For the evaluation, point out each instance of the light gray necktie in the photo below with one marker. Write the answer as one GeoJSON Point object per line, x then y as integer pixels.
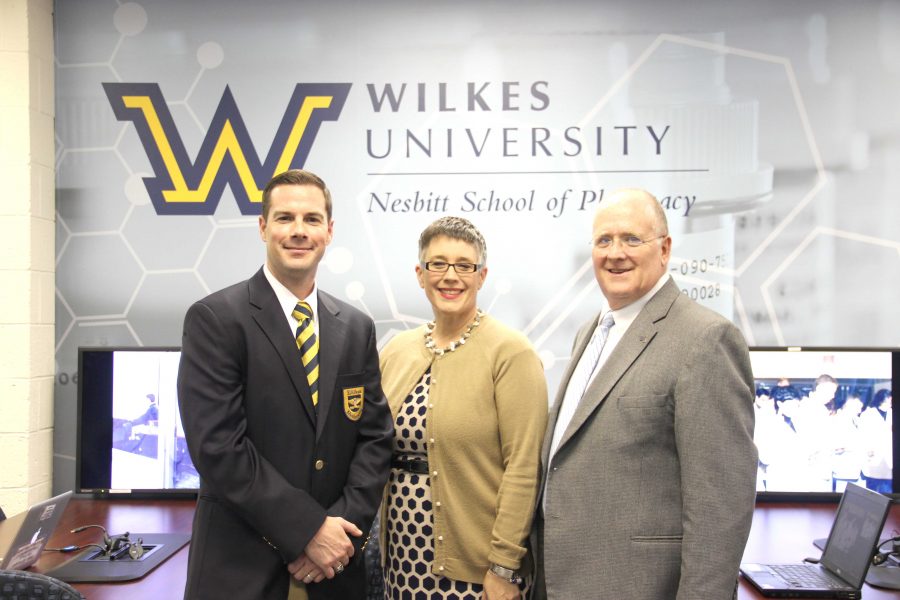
{"type": "Point", "coordinates": [580, 379]}
{"type": "Point", "coordinates": [592, 353]}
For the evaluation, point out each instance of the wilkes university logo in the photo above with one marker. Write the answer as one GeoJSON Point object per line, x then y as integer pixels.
{"type": "Point", "coordinates": [227, 156]}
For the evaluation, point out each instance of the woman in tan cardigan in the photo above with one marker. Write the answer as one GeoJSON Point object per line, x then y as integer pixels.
{"type": "Point", "coordinates": [469, 401]}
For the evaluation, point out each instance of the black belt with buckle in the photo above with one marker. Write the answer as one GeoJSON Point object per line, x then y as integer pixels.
{"type": "Point", "coordinates": [419, 467]}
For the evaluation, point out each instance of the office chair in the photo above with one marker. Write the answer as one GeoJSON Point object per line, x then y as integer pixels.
{"type": "Point", "coordinates": [28, 585]}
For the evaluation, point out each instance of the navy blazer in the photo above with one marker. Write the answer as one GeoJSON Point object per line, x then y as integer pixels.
{"type": "Point", "coordinates": [271, 465]}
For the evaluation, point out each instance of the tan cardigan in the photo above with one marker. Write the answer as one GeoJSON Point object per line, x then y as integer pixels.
{"type": "Point", "coordinates": [485, 424]}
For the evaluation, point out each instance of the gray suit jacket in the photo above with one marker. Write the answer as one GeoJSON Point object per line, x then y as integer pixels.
{"type": "Point", "coordinates": [651, 491]}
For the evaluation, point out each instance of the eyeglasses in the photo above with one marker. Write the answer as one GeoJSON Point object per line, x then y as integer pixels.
{"type": "Point", "coordinates": [605, 242]}
{"type": "Point", "coordinates": [441, 266]}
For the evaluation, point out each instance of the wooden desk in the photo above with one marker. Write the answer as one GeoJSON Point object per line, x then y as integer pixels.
{"type": "Point", "coordinates": [781, 533]}
{"type": "Point", "coordinates": [119, 516]}
{"type": "Point", "coordinates": [784, 533]}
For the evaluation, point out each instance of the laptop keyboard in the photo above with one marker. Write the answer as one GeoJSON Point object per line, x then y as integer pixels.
{"type": "Point", "coordinates": [807, 576]}
{"type": "Point", "coordinates": [23, 585]}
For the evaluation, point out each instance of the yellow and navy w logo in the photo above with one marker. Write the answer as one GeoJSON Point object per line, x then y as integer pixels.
{"type": "Point", "coordinates": [227, 155]}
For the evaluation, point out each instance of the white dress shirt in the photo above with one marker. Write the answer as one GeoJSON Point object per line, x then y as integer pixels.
{"type": "Point", "coordinates": [288, 301]}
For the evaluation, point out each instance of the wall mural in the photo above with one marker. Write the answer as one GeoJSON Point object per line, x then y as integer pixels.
{"type": "Point", "coordinates": [766, 131]}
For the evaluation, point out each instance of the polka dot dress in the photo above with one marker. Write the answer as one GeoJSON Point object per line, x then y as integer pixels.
{"type": "Point", "coordinates": [410, 542]}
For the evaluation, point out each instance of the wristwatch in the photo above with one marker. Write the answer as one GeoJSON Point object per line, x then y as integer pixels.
{"type": "Point", "coordinates": [507, 574]}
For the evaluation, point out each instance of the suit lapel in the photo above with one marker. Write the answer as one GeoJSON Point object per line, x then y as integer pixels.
{"type": "Point", "coordinates": [269, 317]}
{"type": "Point", "coordinates": [639, 335]}
{"type": "Point", "coordinates": [332, 333]}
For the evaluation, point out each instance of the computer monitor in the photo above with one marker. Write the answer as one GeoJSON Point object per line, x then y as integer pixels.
{"type": "Point", "coordinates": [130, 438]}
{"type": "Point", "coordinates": [824, 418]}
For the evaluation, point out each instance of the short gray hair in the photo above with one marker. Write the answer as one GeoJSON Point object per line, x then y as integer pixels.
{"type": "Point", "coordinates": [455, 228]}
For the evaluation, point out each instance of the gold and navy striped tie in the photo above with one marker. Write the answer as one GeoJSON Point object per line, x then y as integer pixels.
{"type": "Point", "coordinates": [309, 347]}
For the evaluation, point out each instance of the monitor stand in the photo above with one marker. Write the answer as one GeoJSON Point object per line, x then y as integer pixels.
{"type": "Point", "coordinates": [91, 565]}
{"type": "Point", "coordinates": [885, 576]}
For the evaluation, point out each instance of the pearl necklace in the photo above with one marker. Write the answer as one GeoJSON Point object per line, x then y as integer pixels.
{"type": "Point", "coordinates": [429, 339]}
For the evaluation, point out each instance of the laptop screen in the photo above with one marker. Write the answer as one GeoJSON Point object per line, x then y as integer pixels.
{"type": "Point", "coordinates": [855, 532]}
{"type": "Point", "coordinates": [28, 532]}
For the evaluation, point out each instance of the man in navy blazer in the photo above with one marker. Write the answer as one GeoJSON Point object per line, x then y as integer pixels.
{"type": "Point", "coordinates": [288, 488]}
{"type": "Point", "coordinates": [649, 463]}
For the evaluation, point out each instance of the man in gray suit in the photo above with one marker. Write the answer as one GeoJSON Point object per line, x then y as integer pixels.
{"type": "Point", "coordinates": [649, 463]}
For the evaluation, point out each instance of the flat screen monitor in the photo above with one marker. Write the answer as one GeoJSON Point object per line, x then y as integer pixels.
{"type": "Point", "coordinates": [825, 418]}
{"type": "Point", "coordinates": [130, 438]}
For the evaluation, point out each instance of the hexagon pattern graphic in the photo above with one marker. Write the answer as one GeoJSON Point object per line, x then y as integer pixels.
{"type": "Point", "coordinates": [125, 275]}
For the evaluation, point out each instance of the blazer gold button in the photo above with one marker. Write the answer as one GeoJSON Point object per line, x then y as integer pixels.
{"type": "Point", "coordinates": [320, 464]}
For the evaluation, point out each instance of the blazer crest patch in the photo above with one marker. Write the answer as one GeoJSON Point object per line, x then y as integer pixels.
{"type": "Point", "coordinates": [353, 402]}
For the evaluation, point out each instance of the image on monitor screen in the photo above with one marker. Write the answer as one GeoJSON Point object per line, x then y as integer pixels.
{"type": "Point", "coordinates": [823, 419]}
{"type": "Point", "coordinates": [149, 450]}
{"type": "Point", "coordinates": [130, 433]}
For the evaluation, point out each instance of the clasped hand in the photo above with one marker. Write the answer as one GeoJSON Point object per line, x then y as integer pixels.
{"type": "Point", "coordinates": [327, 553]}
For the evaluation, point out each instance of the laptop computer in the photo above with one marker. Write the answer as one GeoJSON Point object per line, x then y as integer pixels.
{"type": "Point", "coordinates": [848, 553]}
{"type": "Point", "coordinates": [23, 536]}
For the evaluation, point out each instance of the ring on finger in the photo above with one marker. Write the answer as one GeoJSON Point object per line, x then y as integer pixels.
{"type": "Point", "coordinates": [339, 568]}
{"type": "Point", "coordinates": [308, 577]}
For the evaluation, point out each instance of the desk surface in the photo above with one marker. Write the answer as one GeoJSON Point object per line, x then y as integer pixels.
{"type": "Point", "coordinates": [781, 533]}
{"type": "Point", "coordinates": [119, 516]}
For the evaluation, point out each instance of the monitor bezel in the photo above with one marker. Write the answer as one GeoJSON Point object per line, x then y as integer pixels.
{"type": "Point", "coordinates": [811, 496]}
{"type": "Point", "coordinates": [110, 492]}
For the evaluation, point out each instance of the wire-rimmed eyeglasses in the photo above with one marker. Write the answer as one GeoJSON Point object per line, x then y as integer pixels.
{"type": "Point", "coordinates": [604, 242]}
{"type": "Point", "coordinates": [441, 266]}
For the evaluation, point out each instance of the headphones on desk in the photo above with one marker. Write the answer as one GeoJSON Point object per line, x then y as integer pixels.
{"type": "Point", "coordinates": [880, 556]}
{"type": "Point", "coordinates": [113, 548]}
